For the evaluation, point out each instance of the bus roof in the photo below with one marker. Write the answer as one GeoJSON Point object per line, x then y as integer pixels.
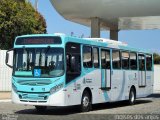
{"type": "Point", "coordinates": [96, 41]}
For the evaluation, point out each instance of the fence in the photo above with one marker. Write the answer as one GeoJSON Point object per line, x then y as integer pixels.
{"type": "Point", "coordinates": [156, 78]}
{"type": "Point", "coordinates": [5, 73]}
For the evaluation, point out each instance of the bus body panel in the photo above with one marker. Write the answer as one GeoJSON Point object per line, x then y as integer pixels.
{"type": "Point", "coordinates": [117, 82]}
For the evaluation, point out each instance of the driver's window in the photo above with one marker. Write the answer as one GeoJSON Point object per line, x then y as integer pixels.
{"type": "Point", "coordinates": [21, 63]}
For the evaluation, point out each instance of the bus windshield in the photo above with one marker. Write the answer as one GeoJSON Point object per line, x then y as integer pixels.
{"type": "Point", "coordinates": [38, 62]}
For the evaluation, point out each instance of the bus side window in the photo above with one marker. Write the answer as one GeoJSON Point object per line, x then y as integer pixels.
{"type": "Point", "coordinates": [87, 57]}
{"type": "Point", "coordinates": [149, 62]}
{"type": "Point", "coordinates": [116, 61]}
{"type": "Point", "coordinates": [125, 60]}
{"type": "Point", "coordinates": [96, 57]}
{"type": "Point", "coordinates": [141, 60]}
{"type": "Point", "coordinates": [73, 61]}
{"type": "Point", "coordinates": [133, 61]}
{"type": "Point", "coordinates": [105, 59]}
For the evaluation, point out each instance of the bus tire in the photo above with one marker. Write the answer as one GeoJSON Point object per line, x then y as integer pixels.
{"type": "Point", "coordinates": [86, 104]}
{"type": "Point", "coordinates": [41, 108]}
{"type": "Point", "coordinates": [132, 96]}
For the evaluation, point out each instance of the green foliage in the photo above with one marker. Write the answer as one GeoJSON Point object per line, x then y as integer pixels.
{"type": "Point", "coordinates": [18, 18]}
{"type": "Point", "coordinates": [156, 58]}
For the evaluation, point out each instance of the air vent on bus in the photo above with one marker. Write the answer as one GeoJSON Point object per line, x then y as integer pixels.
{"type": "Point", "coordinates": [33, 101]}
{"type": "Point", "coordinates": [35, 82]}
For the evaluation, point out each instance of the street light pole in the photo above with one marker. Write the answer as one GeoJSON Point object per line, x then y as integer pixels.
{"type": "Point", "coordinates": [36, 4]}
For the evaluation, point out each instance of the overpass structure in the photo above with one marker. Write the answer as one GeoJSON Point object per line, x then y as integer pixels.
{"type": "Point", "coordinates": [113, 15]}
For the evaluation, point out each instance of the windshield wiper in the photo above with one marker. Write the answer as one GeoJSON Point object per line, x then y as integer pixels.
{"type": "Point", "coordinates": [48, 48]}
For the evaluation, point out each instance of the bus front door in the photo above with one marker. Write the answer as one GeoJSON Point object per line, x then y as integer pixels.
{"type": "Point", "coordinates": [142, 71]}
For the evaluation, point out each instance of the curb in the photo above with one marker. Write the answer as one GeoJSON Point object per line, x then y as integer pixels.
{"type": "Point", "coordinates": [5, 100]}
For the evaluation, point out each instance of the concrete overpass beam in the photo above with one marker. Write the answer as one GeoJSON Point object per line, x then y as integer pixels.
{"type": "Point", "coordinates": [95, 27]}
{"type": "Point", "coordinates": [114, 34]}
{"type": "Point", "coordinates": [113, 29]}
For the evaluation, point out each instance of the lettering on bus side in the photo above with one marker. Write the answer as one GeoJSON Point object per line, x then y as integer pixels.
{"type": "Point", "coordinates": [88, 80]}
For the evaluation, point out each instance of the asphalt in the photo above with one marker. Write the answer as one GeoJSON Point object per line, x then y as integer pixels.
{"type": "Point", "coordinates": [144, 109]}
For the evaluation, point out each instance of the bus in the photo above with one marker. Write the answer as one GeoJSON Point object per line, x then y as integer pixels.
{"type": "Point", "coordinates": [60, 70]}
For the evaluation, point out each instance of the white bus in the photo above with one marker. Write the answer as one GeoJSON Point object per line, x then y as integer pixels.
{"type": "Point", "coordinates": [60, 70]}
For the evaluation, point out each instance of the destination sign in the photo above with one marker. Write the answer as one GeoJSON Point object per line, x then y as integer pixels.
{"type": "Point", "coordinates": [38, 40]}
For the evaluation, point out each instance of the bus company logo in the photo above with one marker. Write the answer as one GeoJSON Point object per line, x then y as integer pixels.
{"type": "Point", "coordinates": [88, 80]}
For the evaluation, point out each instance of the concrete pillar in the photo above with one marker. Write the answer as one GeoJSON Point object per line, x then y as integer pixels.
{"type": "Point", "coordinates": [95, 27]}
{"type": "Point", "coordinates": [114, 35]}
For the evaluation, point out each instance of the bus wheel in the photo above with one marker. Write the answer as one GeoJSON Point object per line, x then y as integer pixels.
{"type": "Point", "coordinates": [132, 97]}
{"type": "Point", "coordinates": [41, 108]}
{"type": "Point", "coordinates": [86, 102]}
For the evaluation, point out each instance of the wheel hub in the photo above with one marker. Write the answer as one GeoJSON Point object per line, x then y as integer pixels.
{"type": "Point", "coordinates": [85, 101]}
{"type": "Point", "coordinates": [132, 96]}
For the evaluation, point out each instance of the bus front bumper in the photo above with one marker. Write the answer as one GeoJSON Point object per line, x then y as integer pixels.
{"type": "Point", "coordinates": [56, 99]}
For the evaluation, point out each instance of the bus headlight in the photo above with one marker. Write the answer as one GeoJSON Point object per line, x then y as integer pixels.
{"type": "Point", "coordinates": [14, 87]}
{"type": "Point", "coordinates": [56, 88]}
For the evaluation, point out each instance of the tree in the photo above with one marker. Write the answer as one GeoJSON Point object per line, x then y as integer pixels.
{"type": "Point", "coordinates": [156, 58]}
{"type": "Point", "coordinates": [18, 17]}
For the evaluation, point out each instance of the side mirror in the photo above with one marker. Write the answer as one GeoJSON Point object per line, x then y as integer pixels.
{"type": "Point", "coordinates": [7, 55]}
{"type": "Point", "coordinates": [9, 58]}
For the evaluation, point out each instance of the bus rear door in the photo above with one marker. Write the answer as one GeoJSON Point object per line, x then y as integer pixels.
{"type": "Point", "coordinates": [105, 69]}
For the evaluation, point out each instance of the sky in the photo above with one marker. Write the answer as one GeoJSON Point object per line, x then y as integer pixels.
{"type": "Point", "coordinates": [145, 39]}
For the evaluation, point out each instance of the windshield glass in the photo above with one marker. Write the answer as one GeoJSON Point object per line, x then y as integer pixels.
{"type": "Point", "coordinates": [39, 62]}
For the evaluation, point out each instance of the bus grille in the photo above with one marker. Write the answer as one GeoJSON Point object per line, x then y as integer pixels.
{"type": "Point", "coordinates": [33, 97]}
{"type": "Point", "coordinates": [35, 82]}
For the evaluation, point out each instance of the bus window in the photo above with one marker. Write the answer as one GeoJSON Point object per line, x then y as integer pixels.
{"type": "Point", "coordinates": [133, 61]}
{"type": "Point", "coordinates": [116, 59]}
{"type": "Point", "coordinates": [96, 57]}
{"type": "Point", "coordinates": [73, 61]}
{"type": "Point", "coordinates": [105, 59]}
{"type": "Point", "coordinates": [141, 59]}
{"type": "Point", "coordinates": [149, 62]}
{"type": "Point", "coordinates": [50, 61]}
{"type": "Point", "coordinates": [87, 56]}
{"type": "Point", "coordinates": [125, 60]}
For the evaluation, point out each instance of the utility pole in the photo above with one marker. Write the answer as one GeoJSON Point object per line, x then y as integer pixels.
{"type": "Point", "coordinates": [36, 5]}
